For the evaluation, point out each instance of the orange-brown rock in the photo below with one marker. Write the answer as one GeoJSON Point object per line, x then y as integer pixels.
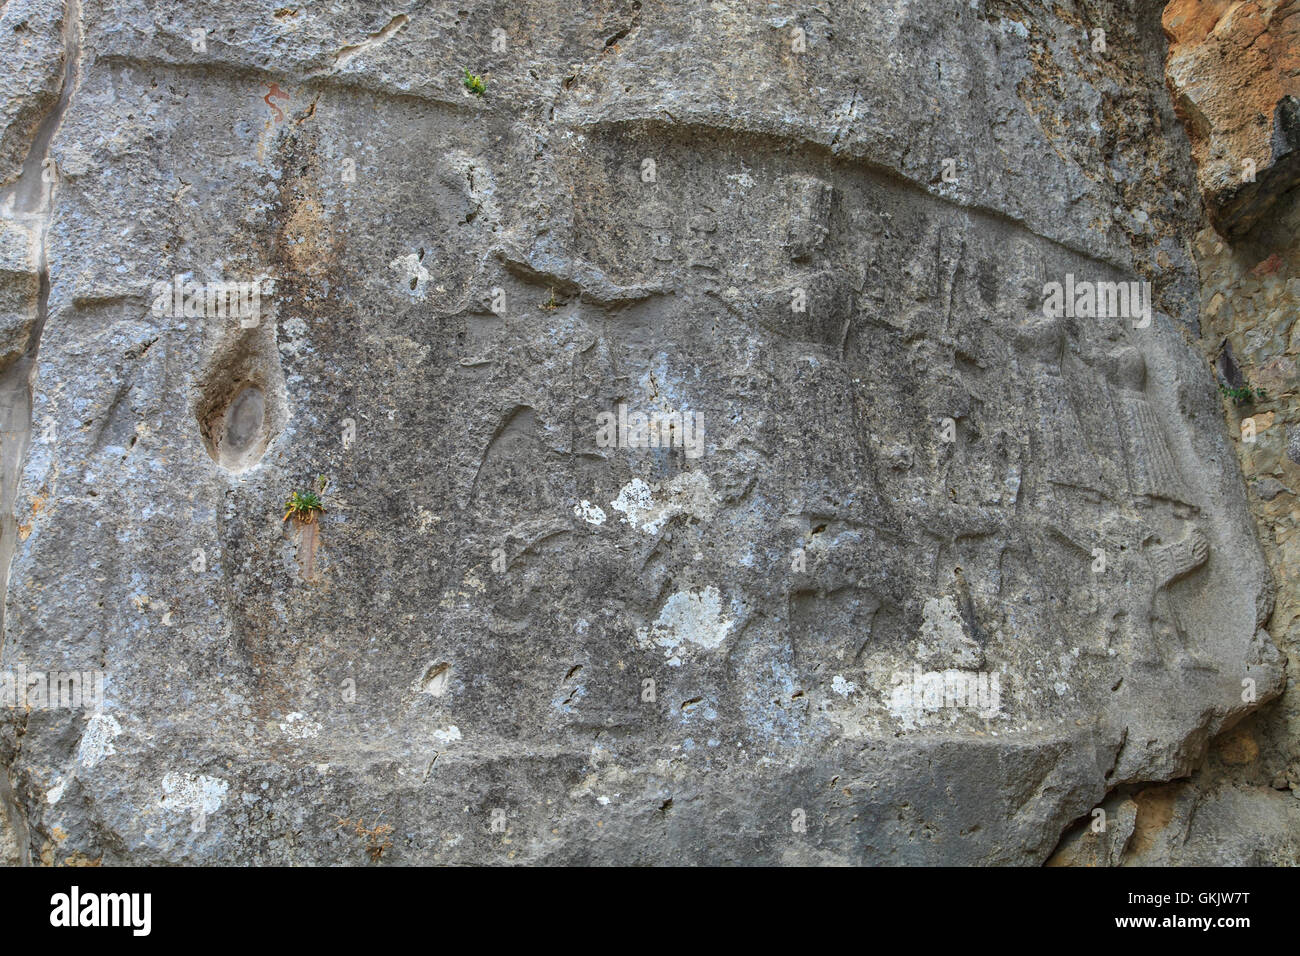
{"type": "Point", "coordinates": [1234, 71]}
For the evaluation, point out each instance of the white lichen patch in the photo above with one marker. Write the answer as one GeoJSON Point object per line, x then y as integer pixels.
{"type": "Point", "coordinates": [294, 341]}
{"type": "Point", "coordinates": [649, 507]}
{"type": "Point", "coordinates": [450, 735]}
{"type": "Point", "coordinates": [592, 514]}
{"type": "Point", "coordinates": [843, 687]}
{"type": "Point", "coordinates": [688, 617]}
{"type": "Point", "coordinates": [742, 180]}
{"type": "Point", "coordinates": [635, 502]}
{"type": "Point", "coordinates": [297, 726]}
{"type": "Point", "coordinates": [97, 741]}
{"type": "Point", "coordinates": [188, 793]}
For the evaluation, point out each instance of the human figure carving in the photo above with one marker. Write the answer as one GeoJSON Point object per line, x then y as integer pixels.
{"type": "Point", "coordinates": [1151, 468]}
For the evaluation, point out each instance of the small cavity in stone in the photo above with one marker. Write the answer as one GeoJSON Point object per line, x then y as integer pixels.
{"type": "Point", "coordinates": [237, 434]}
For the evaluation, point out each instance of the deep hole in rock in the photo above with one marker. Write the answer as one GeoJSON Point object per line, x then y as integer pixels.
{"type": "Point", "coordinates": [241, 406]}
{"type": "Point", "coordinates": [234, 426]}
{"type": "Point", "coordinates": [244, 418]}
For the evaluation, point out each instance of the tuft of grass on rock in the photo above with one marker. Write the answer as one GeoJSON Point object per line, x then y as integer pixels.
{"type": "Point", "coordinates": [474, 83]}
{"type": "Point", "coordinates": [303, 507]}
{"type": "Point", "coordinates": [1244, 395]}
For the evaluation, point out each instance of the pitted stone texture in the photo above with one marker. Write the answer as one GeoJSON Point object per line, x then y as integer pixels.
{"type": "Point", "coordinates": [1197, 822]}
{"type": "Point", "coordinates": [8, 844]}
{"type": "Point", "coordinates": [1251, 292]}
{"type": "Point", "coordinates": [908, 472]}
{"type": "Point", "coordinates": [19, 287]}
{"type": "Point", "coordinates": [1234, 70]}
{"type": "Point", "coordinates": [31, 49]}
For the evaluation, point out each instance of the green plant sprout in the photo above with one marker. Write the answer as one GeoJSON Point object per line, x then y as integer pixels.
{"type": "Point", "coordinates": [551, 304]}
{"type": "Point", "coordinates": [1245, 395]}
{"type": "Point", "coordinates": [474, 83]}
{"type": "Point", "coordinates": [303, 506]}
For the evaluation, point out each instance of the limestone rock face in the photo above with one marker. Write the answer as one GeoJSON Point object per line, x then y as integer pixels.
{"type": "Point", "coordinates": [1234, 71]}
{"type": "Point", "coordinates": [917, 568]}
{"type": "Point", "coordinates": [32, 51]}
{"type": "Point", "coordinates": [1228, 814]}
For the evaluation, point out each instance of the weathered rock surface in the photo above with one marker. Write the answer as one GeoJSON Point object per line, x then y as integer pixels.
{"type": "Point", "coordinates": [943, 573]}
{"type": "Point", "coordinates": [1228, 814]}
{"type": "Point", "coordinates": [31, 49]}
{"type": "Point", "coordinates": [1234, 70]}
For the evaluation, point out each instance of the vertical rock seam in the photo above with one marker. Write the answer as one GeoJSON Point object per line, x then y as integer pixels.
{"type": "Point", "coordinates": [28, 204]}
